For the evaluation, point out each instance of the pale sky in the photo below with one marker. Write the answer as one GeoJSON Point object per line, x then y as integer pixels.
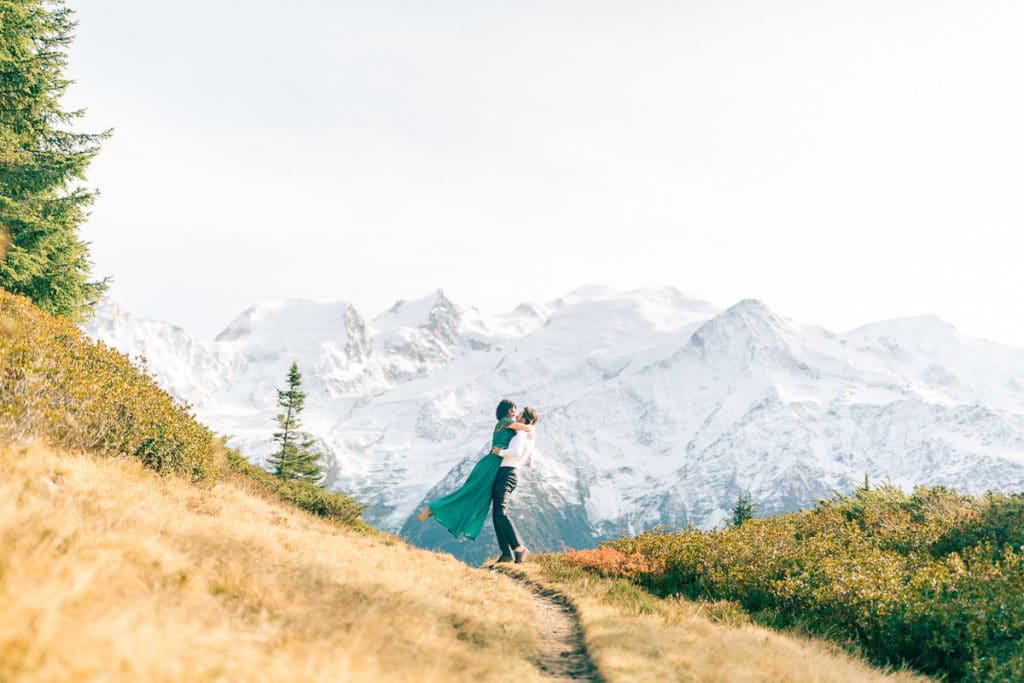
{"type": "Point", "coordinates": [844, 162]}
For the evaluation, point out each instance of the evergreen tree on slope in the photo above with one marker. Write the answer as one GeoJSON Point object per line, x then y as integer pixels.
{"type": "Point", "coordinates": [744, 509]}
{"type": "Point", "coordinates": [295, 457]}
{"type": "Point", "coordinates": [41, 158]}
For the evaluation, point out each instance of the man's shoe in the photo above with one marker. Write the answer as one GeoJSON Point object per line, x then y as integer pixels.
{"type": "Point", "coordinates": [521, 555]}
{"type": "Point", "coordinates": [505, 558]}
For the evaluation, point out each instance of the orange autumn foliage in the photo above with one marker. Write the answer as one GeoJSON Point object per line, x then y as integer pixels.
{"type": "Point", "coordinates": [608, 561]}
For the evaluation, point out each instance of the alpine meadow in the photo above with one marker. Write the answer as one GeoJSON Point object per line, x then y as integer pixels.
{"type": "Point", "coordinates": [614, 483]}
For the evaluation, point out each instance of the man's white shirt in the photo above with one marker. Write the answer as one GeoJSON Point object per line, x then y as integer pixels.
{"type": "Point", "coordinates": [519, 452]}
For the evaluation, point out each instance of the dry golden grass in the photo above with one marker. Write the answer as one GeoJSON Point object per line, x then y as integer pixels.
{"type": "Point", "coordinates": [111, 572]}
{"type": "Point", "coordinates": [633, 636]}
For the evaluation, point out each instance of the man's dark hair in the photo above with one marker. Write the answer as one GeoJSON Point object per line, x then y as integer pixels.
{"type": "Point", "coordinates": [503, 407]}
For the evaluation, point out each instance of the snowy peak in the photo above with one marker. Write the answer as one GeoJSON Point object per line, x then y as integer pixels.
{"type": "Point", "coordinates": [925, 334]}
{"type": "Point", "coordinates": [914, 325]}
{"type": "Point", "coordinates": [444, 318]}
{"type": "Point", "coordinates": [670, 298]}
{"type": "Point", "coordinates": [938, 364]}
{"type": "Point", "coordinates": [751, 314]}
{"type": "Point", "coordinates": [324, 337]}
{"type": "Point", "coordinates": [189, 368]}
{"type": "Point", "coordinates": [413, 336]}
{"type": "Point", "coordinates": [117, 322]}
{"type": "Point", "coordinates": [240, 326]}
{"type": "Point", "coordinates": [294, 320]}
{"type": "Point", "coordinates": [585, 293]}
{"type": "Point", "coordinates": [746, 330]}
{"type": "Point", "coordinates": [610, 321]}
{"type": "Point", "coordinates": [417, 312]}
{"type": "Point", "coordinates": [660, 307]}
{"type": "Point", "coordinates": [143, 337]}
{"type": "Point", "coordinates": [359, 344]}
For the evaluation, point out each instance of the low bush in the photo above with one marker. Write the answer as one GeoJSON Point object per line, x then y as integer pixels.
{"type": "Point", "coordinates": [58, 384]}
{"type": "Point", "coordinates": [610, 562]}
{"type": "Point", "coordinates": [933, 579]}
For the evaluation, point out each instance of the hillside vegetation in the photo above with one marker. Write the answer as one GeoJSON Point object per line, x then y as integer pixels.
{"type": "Point", "coordinates": [934, 578]}
{"type": "Point", "coordinates": [636, 636]}
{"type": "Point", "coordinates": [77, 393]}
{"type": "Point", "coordinates": [134, 546]}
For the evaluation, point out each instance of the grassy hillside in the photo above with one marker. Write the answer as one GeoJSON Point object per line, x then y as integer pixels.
{"type": "Point", "coordinates": [134, 546]}
{"type": "Point", "coordinates": [934, 578]}
{"type": "Point", "coordinates": [110, 571]}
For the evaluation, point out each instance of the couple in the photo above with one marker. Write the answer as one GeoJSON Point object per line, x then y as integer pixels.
{"type": "Point", "coordinates": [492, 479]}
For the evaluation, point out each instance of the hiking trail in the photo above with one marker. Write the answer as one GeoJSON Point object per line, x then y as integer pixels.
{"type": "Point", "coordinates": [563, 653]}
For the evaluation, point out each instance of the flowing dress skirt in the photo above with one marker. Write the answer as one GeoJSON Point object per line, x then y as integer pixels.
{"type": "Point", "coordinates": [464, 511]}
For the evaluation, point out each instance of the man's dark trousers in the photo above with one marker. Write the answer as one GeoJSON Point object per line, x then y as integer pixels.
{"type": "Point", "coordinates": [504, 485]}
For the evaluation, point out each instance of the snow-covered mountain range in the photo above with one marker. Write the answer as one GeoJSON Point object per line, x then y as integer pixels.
{"type": "Point", "coordinates": [656, 408]}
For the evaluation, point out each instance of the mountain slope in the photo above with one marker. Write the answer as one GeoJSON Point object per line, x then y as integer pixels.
{"type": "Point", "coordinates": [112, 572]}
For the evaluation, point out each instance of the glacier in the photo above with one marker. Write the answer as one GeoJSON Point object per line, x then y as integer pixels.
{"type": "Point", "coordinates": [656, 408]}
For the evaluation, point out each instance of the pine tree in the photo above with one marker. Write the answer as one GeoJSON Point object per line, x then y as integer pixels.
{"type": "Point", "coordinates": [295, 457]}
{"type": "Point", "coordinates": [743, 510]}
{"type": "Point", "coordinates": [41, 160]}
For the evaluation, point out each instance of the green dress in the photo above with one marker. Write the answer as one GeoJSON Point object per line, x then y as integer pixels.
{"type": "Point", "coordinates": [464, 511]}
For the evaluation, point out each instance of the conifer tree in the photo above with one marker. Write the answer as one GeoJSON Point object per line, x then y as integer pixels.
{"type": "Point", "coordinates": [295, 457]}
{"type": "Point", "coordinates": [41, 160]}
{"type": "Point", "coordinates": [744, 509]}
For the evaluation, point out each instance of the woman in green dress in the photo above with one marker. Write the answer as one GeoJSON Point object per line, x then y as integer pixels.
{"type": "Point", "coordinates": [464, 511]}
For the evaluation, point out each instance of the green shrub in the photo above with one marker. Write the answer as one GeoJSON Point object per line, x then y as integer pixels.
{"type": "Point", "coordinates": [57, 384]}
{"type": "Point", "coordinates": [933, 579]}
{"type": "Point", "coordinates": [998, 520]}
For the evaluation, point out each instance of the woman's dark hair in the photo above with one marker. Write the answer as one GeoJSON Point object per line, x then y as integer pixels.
{"type": "Point", "coordinates": [504, 407]}
{"type": "Point", "coordinates": [530, 416]}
